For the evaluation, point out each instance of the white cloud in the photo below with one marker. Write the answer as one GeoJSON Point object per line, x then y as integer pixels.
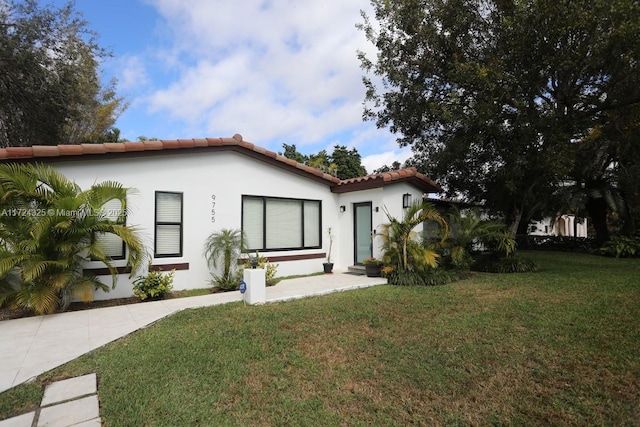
{"type": "Point", "coordinates": [375, 161]}
{"type": "Point", "coordinates": [278, 70]}
{"type": "Point", "coordinates": [132, 73]}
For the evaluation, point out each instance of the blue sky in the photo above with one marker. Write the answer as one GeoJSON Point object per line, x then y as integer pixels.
{"type": "Point", "coordinates": [275, 71]}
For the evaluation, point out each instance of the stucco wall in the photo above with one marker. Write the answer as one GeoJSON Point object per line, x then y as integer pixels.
{"type": "Point", "coordinates": [199, 176]}
{"type": "Point", "coordinates": [386, 199]}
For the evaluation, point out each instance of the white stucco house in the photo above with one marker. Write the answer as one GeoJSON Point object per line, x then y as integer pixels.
{"type": "Point", "coordinates": [564, 225]}
{"type": "Point", "coordinates": [183, 190]}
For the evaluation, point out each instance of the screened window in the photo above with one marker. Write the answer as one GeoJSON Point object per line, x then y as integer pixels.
{"type": "Point", "coordinates": [168, 224]}
{"type": "Point", "coordinates": [281, 224]}
{"type": "Point", "coordinates": [111, 244]}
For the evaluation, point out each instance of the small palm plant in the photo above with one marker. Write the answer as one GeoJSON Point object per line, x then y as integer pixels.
{"type": "Point", "coordinates": [471, 229]}
{"type": "Point", "coordinates": [48, 229]}
{"type": "Point", "coordinates": [402, 246]}
{"type": "Point", "coordinates": [224, 247]}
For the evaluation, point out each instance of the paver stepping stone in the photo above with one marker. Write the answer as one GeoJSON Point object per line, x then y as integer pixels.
{"type": "Point", "coordinates": [70, 413]}
{"type": "Point", "coordinates": [24, 420]}
{"type": "Point", "coordinates": [70, 389]}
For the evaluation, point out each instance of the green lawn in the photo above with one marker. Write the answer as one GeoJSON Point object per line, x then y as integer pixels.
{"type": "Point", "coordinates": [557, 347]}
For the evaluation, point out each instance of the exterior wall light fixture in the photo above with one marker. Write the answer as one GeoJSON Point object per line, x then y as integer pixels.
{"type": "Point", "coordinates": [406, 200]}
{"type": "Point", "coordinates": [343, 208]}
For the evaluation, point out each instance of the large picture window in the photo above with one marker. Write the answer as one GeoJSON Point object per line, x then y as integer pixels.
{"type": "Point", "coordinates": [272, 223]}
{"type": "Point", "coordinates": [112, 245]}
{"type": "Point", "coordinates": [168, 225]}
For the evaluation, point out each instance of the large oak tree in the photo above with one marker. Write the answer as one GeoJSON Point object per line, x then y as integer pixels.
{"type": "Point", "coordinates": [496, 97]}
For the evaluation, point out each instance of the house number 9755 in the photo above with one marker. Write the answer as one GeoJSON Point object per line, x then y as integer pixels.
{"type": "Point", "coordinates": [213, 208]}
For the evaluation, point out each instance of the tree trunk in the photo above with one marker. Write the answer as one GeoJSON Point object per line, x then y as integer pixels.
{"type": "Point", "coordinates": [597, 209]}
{"type": "Point", "coordinates": [516, 217]}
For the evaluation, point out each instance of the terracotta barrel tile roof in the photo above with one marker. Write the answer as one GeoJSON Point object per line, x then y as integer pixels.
{"type": "Point", "coordinates": [229, 141]}
{"type": "Point", "coordinates": [201, 142]}
{"type": "Point", "coordinates": [247, 145]}
{"type": "Point", "coordinates": [114, 147]}
{"type": "Point", "coordinates": [19, 152]}
{"type": "Point", "coordinates": [45, 151]}
{"type": "Point", "coordinates": [70, 150]}
{"type": "Point", "coordinates": [378, 180]}
{"type": "Point", "coordinates": [93, 148]}
{"type": "Point", "coordinates": [213, 142]}
{"type": "Point", "coordinates": [236, 143]}
{"type": "Point", "coordinates": [134, 146]}
{"type": "Point", "coordinates": [153, 145]}
{"type": "Point", "coordinates": [186, 143]}
{"type": "Point", "coordinates": [170, 144]}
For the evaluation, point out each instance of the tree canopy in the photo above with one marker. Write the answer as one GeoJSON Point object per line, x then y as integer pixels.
{"type": "Point", "coordinates": [343, 163]}
{"type": "Point", "coordinates": [499, 98]}
{"type": "Point", "coordinates": [50, 90]}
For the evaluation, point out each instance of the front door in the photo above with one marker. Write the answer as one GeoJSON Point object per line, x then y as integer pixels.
{"type": "Point", "coordinates": [362, 229]}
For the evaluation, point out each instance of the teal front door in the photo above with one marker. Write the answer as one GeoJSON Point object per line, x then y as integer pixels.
{"type": "Point", "coordinates": [362, 232]}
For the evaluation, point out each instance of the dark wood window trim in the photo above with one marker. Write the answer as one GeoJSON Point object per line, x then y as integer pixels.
{"type": "Point", "coordinates": [284, 258]}
{"type": "Point", "coordinates": [103, 271]}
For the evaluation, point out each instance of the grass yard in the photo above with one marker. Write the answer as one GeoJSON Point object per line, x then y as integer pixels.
{"type": "Point", "coordinates": [557, 347]}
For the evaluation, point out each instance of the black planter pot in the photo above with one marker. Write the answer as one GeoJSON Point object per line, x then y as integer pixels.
{"type": "Point", "coordinates": [328, 267]}
{"type": "Point", "coordinates": [373, 270]}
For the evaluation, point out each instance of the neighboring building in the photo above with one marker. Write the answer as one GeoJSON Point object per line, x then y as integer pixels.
{"type": "Point", "coordinates": [564, 225]}
{"type": "Point", "coordinates": [186, 189]}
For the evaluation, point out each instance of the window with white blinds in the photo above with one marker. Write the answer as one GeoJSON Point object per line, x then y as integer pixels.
{"type": "Point", "coordinates": [168, 224]}
{"type": "Point", "coordinates": [281, 224]}
{"type": "Point", "coordinates": [111, 244]}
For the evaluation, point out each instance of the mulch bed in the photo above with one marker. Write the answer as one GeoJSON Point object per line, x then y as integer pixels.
{"type": "Point", "coordinates": [8, 314]}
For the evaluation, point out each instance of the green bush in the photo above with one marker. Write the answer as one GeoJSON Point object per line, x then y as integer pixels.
{"type": "Point", "coordinates": [226, 283]}
{"type": "Point", "coordinates": [556, 243]}
{"type": "Point", "coordinates": [621, 247]}
{"type": "Point", "coordinates": [154, 285]}
{"type": "Point", "coordinates": [509, 264]}
{"type": "Point", "coordinates": [430, 277]}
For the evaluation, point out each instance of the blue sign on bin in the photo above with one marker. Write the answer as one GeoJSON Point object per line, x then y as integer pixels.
{"type": "Point", "coordinates": [243, 286]}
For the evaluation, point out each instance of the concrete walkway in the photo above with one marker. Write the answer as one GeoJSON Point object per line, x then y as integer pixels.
{"type": "Point", "coordinates": [66, 403]}
{"type": "Point", "coordinates": [34, 345]}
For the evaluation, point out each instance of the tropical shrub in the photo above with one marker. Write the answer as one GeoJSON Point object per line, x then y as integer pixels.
{"type": "Point", "coordinates": [409, 260]}
{"type": "Point", "coordinates": [427, 277]}
{"type": "Point", "coordinates": [556, 243]}
{"type": "Point", "coordinates": [48, 230]}
{"type": "Point", "coordinates": [154, 285]}
{"type": "Point", "coordinates": [223, 248]}
{"type": "Point", "coordinates": [508, 264]}
{"type": "Point", "coordinates": [471, 233]}
{"type": "Point", "coordinates": [402, 245]}
{"type": "Point", "coordinates": [621, 247]}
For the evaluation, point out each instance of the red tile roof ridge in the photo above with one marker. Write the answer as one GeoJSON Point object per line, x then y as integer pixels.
{"type": "Point", "coordinates": [63, 150]}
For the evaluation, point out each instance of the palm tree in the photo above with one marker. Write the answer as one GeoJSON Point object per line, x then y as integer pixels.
{"type": "Point", "coordinates": [402, 247]}
{"type": "Point", "coordinates": [48, 230]}
{"type": "Point", "coordinates": [224, 246]}
{"type": "Point", "coordinates": [471, 229]}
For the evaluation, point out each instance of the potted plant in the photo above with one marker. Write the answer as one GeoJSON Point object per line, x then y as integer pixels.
{"type": "Point", "coordinates": [328, 266]}
{"type": "Point", "coordinates": [373, 267]}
